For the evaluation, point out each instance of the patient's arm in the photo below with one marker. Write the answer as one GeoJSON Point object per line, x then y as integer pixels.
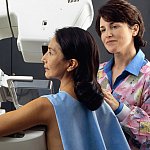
{"type": "Point", "coordinates": [37, 112]}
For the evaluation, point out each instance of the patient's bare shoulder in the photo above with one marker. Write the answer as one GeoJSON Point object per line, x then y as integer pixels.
{"type": "Point", "coordinates": [53, 137]}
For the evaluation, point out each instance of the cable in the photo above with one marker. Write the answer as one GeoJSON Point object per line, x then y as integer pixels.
{"type": "Point", "coordinates": [9, 18]}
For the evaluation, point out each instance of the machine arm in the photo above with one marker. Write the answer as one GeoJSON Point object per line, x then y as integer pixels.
{"type": "Point", "coordinates": [34, 22]}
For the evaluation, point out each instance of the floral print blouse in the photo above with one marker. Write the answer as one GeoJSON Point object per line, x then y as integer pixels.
{"type": "Point", "coordinates": [134, 92]}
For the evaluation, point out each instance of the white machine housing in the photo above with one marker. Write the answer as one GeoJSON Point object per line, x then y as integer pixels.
{"type": "Point", "coordinates": [33, 22]}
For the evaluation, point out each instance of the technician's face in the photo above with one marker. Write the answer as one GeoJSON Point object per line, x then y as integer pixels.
{"type": "Point", "coordinates": [54, 63]}
{"type": "Point", "coordinates": [116, 36]}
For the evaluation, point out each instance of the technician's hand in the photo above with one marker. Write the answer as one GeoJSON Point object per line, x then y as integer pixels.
{"type": "Point", "coordinates": [108, 97]}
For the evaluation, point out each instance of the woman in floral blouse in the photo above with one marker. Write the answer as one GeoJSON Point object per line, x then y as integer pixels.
{"type": "Point", "coordinates": [125, 78]}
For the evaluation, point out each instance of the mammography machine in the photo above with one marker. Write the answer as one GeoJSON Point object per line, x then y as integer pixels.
{"type": "Point", "coordinates": [33, 23]}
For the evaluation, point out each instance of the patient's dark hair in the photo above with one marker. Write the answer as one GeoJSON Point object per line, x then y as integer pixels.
{"type": "Point", "coordinates": [125, 12]}
{"type": "Point", "coordinates": [78, 44]}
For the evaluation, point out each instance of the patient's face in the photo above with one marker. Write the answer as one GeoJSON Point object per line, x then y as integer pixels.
{"type": "Point", "coordinates": [54, 63]}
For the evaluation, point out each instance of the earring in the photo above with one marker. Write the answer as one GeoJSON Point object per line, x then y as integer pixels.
{"type": "Point", "coordinates": [69, 69]}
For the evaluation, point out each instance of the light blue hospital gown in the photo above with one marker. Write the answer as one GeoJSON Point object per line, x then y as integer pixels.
{"type": "Point", "coordinates": [82, 129]}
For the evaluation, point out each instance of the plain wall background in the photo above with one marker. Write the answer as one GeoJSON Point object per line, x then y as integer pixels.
{"type": "Point", "coordinates": [11, 61]}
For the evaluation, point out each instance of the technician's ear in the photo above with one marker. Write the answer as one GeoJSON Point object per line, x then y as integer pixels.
{"type": "Point", "coordinates": [135, 30]}
{"type": "Point", "coordinates": [73, 63]}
